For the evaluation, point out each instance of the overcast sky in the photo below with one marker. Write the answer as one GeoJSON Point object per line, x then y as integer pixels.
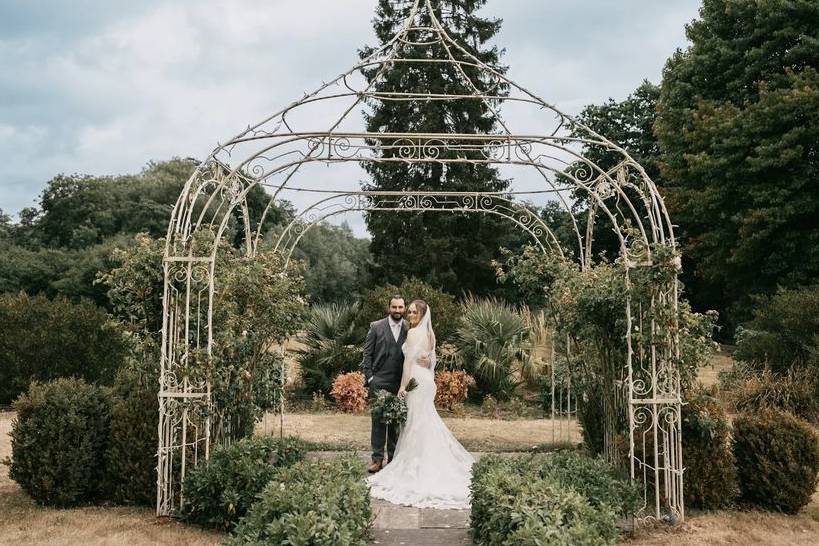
{"type": "Point", "coordinates": [104, 86]}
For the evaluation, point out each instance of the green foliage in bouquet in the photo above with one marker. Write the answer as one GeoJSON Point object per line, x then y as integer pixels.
{"type": "Point", "coordinates": [389, 408]}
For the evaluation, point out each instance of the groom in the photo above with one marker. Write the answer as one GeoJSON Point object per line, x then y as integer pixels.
{"type": "Point", "coordinates": [383, 364]}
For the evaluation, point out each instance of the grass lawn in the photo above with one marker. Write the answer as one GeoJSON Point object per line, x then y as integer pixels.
{"type": "Point", "coordinates": [335, 431]}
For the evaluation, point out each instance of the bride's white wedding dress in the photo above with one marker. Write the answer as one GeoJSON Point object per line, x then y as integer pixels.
{"type": "Point", "coordinates": [431, 469]}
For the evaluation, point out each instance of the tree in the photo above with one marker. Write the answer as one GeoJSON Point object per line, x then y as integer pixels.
{"type": "Point", "coordinates": [59, 247]}
{"type": "Point", "coordinates": [738, 124]}
{"type": "Point", "coordinates": [337, 263]}
{"type": "Point", "coordinates": [81, 210]}
{"type": "Point", "coordinates": [629, 124]}
{"type": "Point", "coordinates": [452, 251]}
{"type": "Point", "coordinates": [56, 271]}
{"type": "Point", "coordinates": [5, 226]}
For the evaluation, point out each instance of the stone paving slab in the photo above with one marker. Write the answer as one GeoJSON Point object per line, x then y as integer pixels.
{"type": "Point", "coordinates": [389, 516]}
{"type": "Point", "coordinates": [397, 525]}
{"type": "Point", "coordinates": [444, 519]}
{"type": "Point", "coordinates": [421, 537]}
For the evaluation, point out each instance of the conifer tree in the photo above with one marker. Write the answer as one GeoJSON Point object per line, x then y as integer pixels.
{"type": "Point", "coordinates": [452, 251]}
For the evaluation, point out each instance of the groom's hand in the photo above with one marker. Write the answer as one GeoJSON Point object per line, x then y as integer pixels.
{"type": "Point", "coordinates": [402, 393]}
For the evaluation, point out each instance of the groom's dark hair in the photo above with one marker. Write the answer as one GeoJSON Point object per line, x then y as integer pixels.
{"type": "Point", "coordinates": [397, 297]}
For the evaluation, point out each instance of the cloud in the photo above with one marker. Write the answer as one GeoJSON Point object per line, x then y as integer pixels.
{"type": "Point", "coordinates": [102, 87]}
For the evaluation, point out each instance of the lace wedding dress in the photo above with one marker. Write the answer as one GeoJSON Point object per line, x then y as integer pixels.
{"type": "Point", "coordinates": [431, 469]}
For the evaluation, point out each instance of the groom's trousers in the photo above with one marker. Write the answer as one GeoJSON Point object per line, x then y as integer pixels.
{"type": "Point", "coordinates": [381, 434]}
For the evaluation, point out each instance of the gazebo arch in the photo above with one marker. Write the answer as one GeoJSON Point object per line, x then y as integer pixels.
{"type": "Point", "coordinates": [279, 151]}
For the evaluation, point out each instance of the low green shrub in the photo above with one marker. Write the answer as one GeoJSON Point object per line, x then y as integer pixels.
{"type": "Point", "coordinates": [777, 458]}
{"type": "Point", "coordinates": [131, 456]}
{"type": "Point", "coordinates": [489, 406]}
{"type": "Point", "coordinates": [558, 498]}
{"type": "Point", "coordinates": [310, 503]}
{"type": "Point", "coordinates": [710, 469]}
{"type": "Point", "coordinates": [44, 339]}
{"type": "Point", "coordinates": [220, 492]}
{"type": "Point", "coordinates": [58, 442]}
{"type": "Point", "coordinates": [595, 479]}
{"type": "Point", "coordinates": [512, 506]}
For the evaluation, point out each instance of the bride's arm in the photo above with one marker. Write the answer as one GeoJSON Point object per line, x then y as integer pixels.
{"type": "Point", "coordinates": [406, 375]}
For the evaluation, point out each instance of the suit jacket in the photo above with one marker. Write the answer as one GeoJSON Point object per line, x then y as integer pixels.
{"type": "Point", "coordinates": [383, 358]}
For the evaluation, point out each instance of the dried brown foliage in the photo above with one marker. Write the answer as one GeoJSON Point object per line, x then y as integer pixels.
{"type": "Point", "coordinates": [349, 392]}
{"type": "Point", "coordinates": [453, 388]}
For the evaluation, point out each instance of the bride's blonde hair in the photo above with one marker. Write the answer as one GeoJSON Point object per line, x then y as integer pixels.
{"type": "Point", "coordinates": [421, 306]}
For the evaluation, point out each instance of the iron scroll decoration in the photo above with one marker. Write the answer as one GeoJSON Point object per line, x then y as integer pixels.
{"type": "Point", "coordinates": [277, 152]}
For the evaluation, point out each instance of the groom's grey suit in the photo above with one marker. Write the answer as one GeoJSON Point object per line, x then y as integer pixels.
{"type": "Point", "coordinates": [383, 364]}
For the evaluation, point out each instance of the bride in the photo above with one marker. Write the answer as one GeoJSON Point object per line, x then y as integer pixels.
{"type": "Point", "coordinates": [430, 469]}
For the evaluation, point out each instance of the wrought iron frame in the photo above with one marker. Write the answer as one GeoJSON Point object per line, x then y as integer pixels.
{"type": "Point", "coordinates": [275, 151]}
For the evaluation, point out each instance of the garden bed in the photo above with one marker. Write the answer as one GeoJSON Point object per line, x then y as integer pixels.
{"type": "Point", "coordinates": [23, 523]}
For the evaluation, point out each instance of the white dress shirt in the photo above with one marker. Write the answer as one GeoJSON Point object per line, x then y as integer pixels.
{"type": "Point", "coordinates": [396, 328]}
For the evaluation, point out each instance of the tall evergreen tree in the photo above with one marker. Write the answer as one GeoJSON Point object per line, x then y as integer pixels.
{"type": "Point", "coordinates": [452, 251]}
{"type": "Point", "coordinates": [738, 125]}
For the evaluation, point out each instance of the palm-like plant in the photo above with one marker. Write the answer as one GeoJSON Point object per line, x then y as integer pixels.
{"type": "Point", "coordinates": [493, 346]}
{"type": "Point", "coordinates": [332, 347]}
{"type": "Point", "coordinates": [541, 341]}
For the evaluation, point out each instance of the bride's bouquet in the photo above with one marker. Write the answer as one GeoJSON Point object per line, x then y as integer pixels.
{"type": "Point", "coordinates": [389, 408]}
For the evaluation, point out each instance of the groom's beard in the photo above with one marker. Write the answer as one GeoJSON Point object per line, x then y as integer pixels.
{"type": "Point", "coordinates": [397, 316]}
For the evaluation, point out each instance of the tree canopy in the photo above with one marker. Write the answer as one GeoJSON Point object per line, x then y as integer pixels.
{"type": "Point", "coordinates": [738, 125]}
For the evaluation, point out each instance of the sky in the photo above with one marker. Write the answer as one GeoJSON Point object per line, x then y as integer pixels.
{"type": "Point", "coordinates": [105, 86]}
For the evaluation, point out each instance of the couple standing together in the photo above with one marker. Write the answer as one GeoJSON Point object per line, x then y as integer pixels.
{"type": "Point", "coordinates": [426, 466]}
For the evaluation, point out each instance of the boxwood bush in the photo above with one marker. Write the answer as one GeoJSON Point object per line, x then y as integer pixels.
{"type": "Point", "coordinates": [710, 469]}
{"type": "Point", "coordinates": [58, 442]}
{"type": "Point", "coordinates": [512, 506]}
{"type": "Point", "coordinates": [218, 493]}
{"type": "Point", "coordinates": [312, 503]}
{"type": "Point", "coordinates": [44, 339]}
{"type": "Point", "coordinates": [777, 459]}
{"type": "Point", "coordinates": [131, 456]}
{"type": "Point", "coordinates": [561, 498]}
{"type": "Point", "coordinates": [595, 479]}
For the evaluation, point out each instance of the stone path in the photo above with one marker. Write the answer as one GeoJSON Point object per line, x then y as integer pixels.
{"type": "Point", "coordinates": [404, 525]}
{"type": "Point", "coordinates": [396, 525]}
